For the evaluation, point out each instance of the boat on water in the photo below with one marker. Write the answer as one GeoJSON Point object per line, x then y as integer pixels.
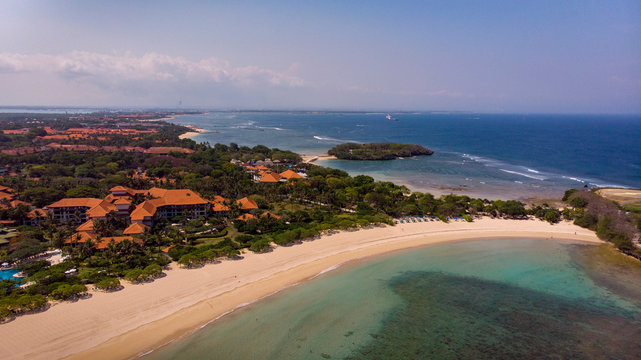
{"type": "Point", "coordinates": [389, 117]}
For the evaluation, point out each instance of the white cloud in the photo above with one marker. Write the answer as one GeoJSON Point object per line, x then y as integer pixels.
{"type": "Point", "coordinates": [115, 71]}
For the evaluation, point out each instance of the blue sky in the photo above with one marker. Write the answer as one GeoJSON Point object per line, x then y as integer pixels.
{"type": "Point", "coordinates": [486, 56]}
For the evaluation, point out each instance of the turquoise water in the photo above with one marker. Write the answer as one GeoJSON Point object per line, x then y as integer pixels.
{"type": "Point", "coordinates": [8, 274]}
{"type": "Point", "coordinates": [498, 155]}
{"type": "Point", "coordinates": [488, 299]}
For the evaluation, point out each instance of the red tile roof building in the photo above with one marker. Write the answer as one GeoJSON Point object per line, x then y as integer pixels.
{"type": "Point", "coordinates": [72, 209]}
{"type": "Point", "coordinates": [247, 204]}
{"type": "Point", "coordinates": [169, 203]}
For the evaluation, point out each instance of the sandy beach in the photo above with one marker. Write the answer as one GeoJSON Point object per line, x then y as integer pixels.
{"type": "Point", "coordinates": [140, 318]}
{"type": "Point", "coordinates": [190, 134]}
{"type": "Point", "coordinates": [313, 158]}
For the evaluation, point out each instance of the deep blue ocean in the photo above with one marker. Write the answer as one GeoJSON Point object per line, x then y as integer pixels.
{"type": "Point", "coordinates": [518, 155]}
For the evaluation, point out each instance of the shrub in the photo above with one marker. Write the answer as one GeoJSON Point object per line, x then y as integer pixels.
{"type": "Point", "coordinates": [108, 284]}
{"type": "Point", "coordinates": [578, 202]}
{"type": "Point", "coordinates": [5, 313]}
{"type": "Point", "coordinates": [190, 260]}
{"type": "Point", "coordinates": [152, 271]}
{"type": "Point", "coordinates": [259, 246]}
{"type": "Point", "coordinates": [244, 238]}
{"type": "Point", "coordinates": [552, 216]}
{"type": "Point", "coordinates": [30, 268]}
{"type": "Point", "coordinates": [89, 275]}
{"type": "Point", "coordinates": [568, 193]}
{"type": "Point", "coordinates": [31, 302]}
{"type": "Point", "coordinates": [135, 276]}
{"type": "Point", "coordinates": [66, 291]}
{"type": "Point", "coordinates": [587, 221]}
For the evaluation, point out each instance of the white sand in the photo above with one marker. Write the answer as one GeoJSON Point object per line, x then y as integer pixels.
{"type": "Point", "coordinates": [142, 317]}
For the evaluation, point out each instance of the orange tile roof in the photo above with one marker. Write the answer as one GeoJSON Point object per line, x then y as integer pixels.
{"type": "Point", "coordinates": [101, 210]}
{"type": "Point", "coordinates": [5, 196]}
{"type": "Point", "coordinates": [122, 201]}
{"type": "Point", "coordinates": [37, 213]}
{"type": "Point", "coordinates": [289, 174]}
{"type": "Point", "coordinates": [270, 178]}
{"type": "Point", "coordinates": [247, 204]}
{"type": "Point", "coordinates": [219, 207]}
{"type": "Point", "coordinates": [15, 203]}
{"type": "Point", "coordinates": [143, 210]}
{"type": "Point", "coordinates": [153, 192]}
{"type": "Point", "coordinates": [167, 150]}
{"type": "Point", "coordinates": [261, 167]}
{"type": "Point", "coordinates": [16, 132]}
{"type": "Point", "coordinates": [246, 217]}
{"type": "Point", "coordinates": [182, 197]}
{"type": "Point", "coordinates": [86, 226]}
{"type": "Point", "coordinates": [121, 188]}
{"type": "Point", "coordinates": [269, 214]}
{"type": "Point", "coordinates": [81, 237]}
{"type": "Point", "coordinates": [6, 189]}
{"type": "Point", "coordinates": [135, 229]}
{"type": "Point", "coordinates": [104, 242]}
{"type": "Point", "coordinates": [164, 197]}
{"type": "Point", "coordinates": [220, 199]}
{"type": "Point", "coordinates": [76, 202]}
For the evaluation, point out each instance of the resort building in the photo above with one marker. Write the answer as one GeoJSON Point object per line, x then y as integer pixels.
{"type": "Point", "coordinates": [136, 229]}
{"type": "Point", "coordinates": [269, 177]}
{"type": "Point", "coordinates": [247, 204]}
{"type": "Point", "coordinates": [268, 215]}
{"type": "Point", "coordinates": [246, 217]}
{"type": "Point", "coordinates": [35, 216]}
{"type": "Point", "coordinates": [169, 203]}
{"type": "Point", "coordinates": [289, 174]}
{"type": "Point", "coordinates": [218, 205]}
{"type": "Point", "coordinates": [161, 203]}
{"type": "Point", "coordinates": [73, 209]}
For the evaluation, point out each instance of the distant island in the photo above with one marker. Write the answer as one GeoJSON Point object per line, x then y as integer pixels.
{"type": "Point", "coordinates": [377, 151]}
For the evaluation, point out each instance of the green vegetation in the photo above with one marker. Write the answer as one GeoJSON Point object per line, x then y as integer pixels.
{"type": "Point", "coordinates": [607, 218]}
{"type": "Point", "coordinates": [108, 284]}
{"type": "Point", "coordinates": [377, 151]}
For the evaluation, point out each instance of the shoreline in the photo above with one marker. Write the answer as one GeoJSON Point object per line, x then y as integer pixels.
{"type": "Point", "coordinates": [314, 158]}
{"type": "Point", "coordinates": [190, 134]}
{"type": "Point", "coordinates": [141, 318]}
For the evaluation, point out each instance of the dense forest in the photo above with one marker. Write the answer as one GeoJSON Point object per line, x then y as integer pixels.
{"type": "Point", "coordinates": [377, 151]}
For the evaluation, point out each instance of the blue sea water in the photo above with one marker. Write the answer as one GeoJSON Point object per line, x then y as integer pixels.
{"type": "Point", "coordinates": [478, 154]}
{"type": "Point", "coordinates": [484, 299]}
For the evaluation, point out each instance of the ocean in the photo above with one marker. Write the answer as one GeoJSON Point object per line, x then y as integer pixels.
{"type": "Point", "coordinates": [486, 155]}
{"type": "Point", "coordinates": [483, 299]}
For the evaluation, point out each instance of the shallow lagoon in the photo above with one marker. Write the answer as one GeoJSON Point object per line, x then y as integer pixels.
{"type": "Point", "coordinates": [473, 299]}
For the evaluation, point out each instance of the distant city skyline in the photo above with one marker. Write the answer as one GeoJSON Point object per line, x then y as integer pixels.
{"type": "Point", "coordinates": [478, 56]}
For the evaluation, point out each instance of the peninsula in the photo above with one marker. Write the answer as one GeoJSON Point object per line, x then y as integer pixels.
{"type": "Point", "coordinates": [377, 151]}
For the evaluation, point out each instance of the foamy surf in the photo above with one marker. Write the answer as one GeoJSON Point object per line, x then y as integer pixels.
{"type": "Point", "coordinates": [522, 174]}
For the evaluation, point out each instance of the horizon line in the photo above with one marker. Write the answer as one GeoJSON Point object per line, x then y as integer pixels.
{"type": "Point", "coordinates": [303, 110]}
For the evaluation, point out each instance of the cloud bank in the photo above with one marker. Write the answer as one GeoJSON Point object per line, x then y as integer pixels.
{"type": "Point", "coordinates": [148, 73]}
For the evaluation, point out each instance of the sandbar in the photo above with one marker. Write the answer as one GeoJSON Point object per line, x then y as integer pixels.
{"type": "Point", "coordinates": [140, 318]}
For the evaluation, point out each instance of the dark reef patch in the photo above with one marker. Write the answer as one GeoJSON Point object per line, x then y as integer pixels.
{"type": "Point", "coordinates": [451, 317]}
